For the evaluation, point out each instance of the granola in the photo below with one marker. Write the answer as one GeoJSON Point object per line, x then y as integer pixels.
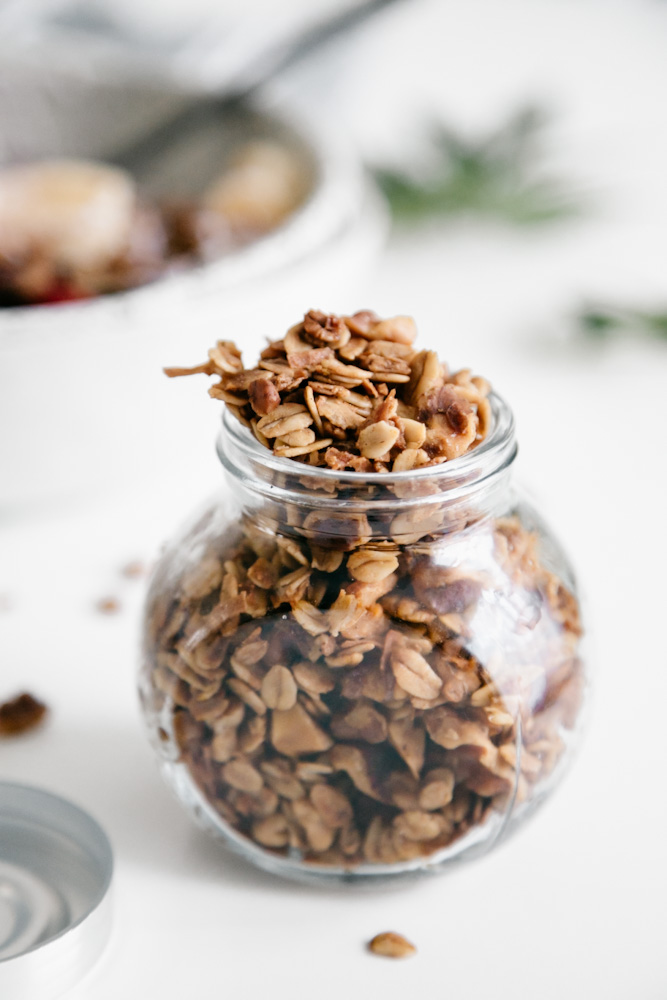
{"type": "Point", "coordinates": [352, 392]}
{"type": "Point", "coordinates": [21, 714]}
{"type": "Point", "coordinates": [362, 673]}
{"type": "Point", "coordinates": [361, 726]}
{"type": "Point", "coordinates": [391, 945]}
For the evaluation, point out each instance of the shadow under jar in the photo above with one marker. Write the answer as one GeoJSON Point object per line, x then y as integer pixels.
{"type": "Point", "coordinates": [356, 676]}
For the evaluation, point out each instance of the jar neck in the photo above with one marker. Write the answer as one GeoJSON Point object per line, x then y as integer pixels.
{"type": "Point", "coordinates": [441, 497]}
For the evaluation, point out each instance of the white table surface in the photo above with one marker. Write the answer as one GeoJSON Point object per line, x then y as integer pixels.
{"type": "Point", "coordinates": [574, 905]}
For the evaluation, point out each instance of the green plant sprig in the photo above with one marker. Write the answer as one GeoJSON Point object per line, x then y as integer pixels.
{"type": "Point", "coordinates": [497, 176]}
{"type": "Point", "coordinates": [602, 322]}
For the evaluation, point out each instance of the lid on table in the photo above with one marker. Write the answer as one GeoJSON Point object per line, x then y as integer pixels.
{"type": "Point", "coordinates": [56, 866]}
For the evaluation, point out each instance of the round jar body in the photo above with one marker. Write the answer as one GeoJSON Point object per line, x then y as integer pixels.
{"type": "Point", "coordinates": [358, 677]}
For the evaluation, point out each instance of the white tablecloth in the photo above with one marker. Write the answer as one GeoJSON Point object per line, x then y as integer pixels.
{"type": "Point", "coordinates": [574, 905]}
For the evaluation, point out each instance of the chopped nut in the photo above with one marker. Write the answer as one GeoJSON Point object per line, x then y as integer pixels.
{"type": "Point", "coordinates": [362, 722]}
{"type": "Point", "coordinates": [319, 328]}
{"type": "Point", "coordinates": [293, 732]}
{"type": "Point", "coordinates": [391, 945]}
{"type": "Point", "coordinates": [264, 397]}
{"type": "Point", "coordinates": [333, 807]}
{"type": "Point", "coordinates": [357, 764]}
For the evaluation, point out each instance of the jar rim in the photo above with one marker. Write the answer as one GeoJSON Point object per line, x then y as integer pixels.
{"type": "Point", "coordinates": [495, 452]}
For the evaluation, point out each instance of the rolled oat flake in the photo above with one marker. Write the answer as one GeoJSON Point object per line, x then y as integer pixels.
{"type": "Point", "coordinates": [56, 866]}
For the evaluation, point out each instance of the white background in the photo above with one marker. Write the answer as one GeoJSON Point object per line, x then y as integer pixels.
{"type": "Point", "coordinates": [574, 905]}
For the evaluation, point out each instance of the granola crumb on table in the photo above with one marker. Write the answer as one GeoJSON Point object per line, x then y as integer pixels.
{"type": "Point", "coordinates": [391, 945]}
{"type": "Point", "coordinates": [322, 674]}
{"type": "Point", "coordinates": [21, 714]}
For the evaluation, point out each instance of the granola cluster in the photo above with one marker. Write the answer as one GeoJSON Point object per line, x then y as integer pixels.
{"type": "Point", "coordinates": [352, 392]}
{"type": "Point", "coordinates": [363, 705]}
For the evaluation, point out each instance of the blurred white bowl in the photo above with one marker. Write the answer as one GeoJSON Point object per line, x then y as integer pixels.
{"type": "Point", "coordinates": [84, 405]}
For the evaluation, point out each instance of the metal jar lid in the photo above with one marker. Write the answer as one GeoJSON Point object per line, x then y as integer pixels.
{"type": "Point", "coordinates": [56, 866]}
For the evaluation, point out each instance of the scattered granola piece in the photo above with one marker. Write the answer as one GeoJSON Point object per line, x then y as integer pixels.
{"type": "Point", "coordinates": [391, 945]}
{"type": "Point", "coordinates": [134, 570]}
{"type": "Point", "coordinates": [108, 605]}
{"type": "Point", "coordinates": [21, 714]}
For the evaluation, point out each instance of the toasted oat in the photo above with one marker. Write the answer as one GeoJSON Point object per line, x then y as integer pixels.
{"type": "Point", "coordinates": [272, 831]}
{"type": "Point", "coordinates": [242, 775]}
{"type": "Point", "coordinates": [416, 825]}
{"type": "Point", "coordinates": [371, 565]}
{"type": "Point", "coordinates": [414, 673]}
{"type": "Point", "coordinates": [284, 419]}
{"type": "Point", "coordinates": [391, 945]}
{"type": "Point", "coordinates": [279, 688]}
{"type": "Point", "coordinates": [377, 440]}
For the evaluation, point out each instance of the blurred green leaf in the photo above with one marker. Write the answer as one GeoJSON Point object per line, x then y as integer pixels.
{"type": "Point", "coordinates": [497, 175]}
{"type": "Point", "coordinates": [601, 322]}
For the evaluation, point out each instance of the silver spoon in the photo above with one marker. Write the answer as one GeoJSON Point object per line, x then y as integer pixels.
{"type": "Point", "coordinates": [245, 83]}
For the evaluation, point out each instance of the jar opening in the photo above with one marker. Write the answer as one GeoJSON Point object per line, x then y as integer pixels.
{"type": "Point", "coordinates": [246, 459]}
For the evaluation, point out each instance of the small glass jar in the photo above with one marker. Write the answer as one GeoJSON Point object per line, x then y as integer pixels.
{"type": "Point", "coordinates": [359, 676]}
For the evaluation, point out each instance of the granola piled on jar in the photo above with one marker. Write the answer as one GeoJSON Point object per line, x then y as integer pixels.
{"type": "Point", "coordinates": [363, 674]}
{"type": "Point", "coordinates": [352, 393]}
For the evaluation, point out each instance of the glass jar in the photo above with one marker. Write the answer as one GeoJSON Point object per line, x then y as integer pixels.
{"type": "Point", "coordinates": [360, 676]}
